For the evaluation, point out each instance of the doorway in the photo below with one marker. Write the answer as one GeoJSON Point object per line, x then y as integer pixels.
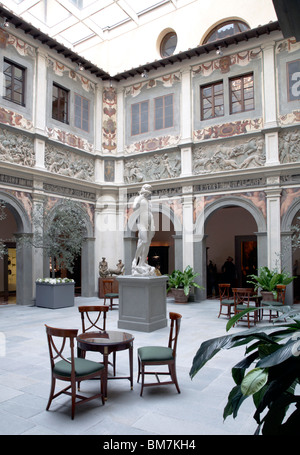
{"type": "Point", "coordinates": [245, 258]}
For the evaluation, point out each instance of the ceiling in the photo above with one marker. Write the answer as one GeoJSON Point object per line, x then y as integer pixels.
{"type": "Point", "coordinates": [73, 22]}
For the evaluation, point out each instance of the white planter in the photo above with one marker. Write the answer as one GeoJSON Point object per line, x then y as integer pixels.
{"type": "Point", "coordinates": [54, 296]}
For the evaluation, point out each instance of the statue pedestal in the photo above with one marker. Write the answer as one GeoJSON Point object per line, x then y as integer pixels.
{"type": "Point", "coordinates": [142, 302]}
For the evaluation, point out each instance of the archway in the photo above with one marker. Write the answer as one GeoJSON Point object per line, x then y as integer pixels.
{"type": "Point", "coordinates": [241, 206]}
{"type": "Point", "coordinates": [17, 224]}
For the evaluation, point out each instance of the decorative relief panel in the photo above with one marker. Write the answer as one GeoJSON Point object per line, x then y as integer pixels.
{"type": "Point", "coordinates": [109, 128]}
{"type": "Point", "coordinates": [64, 162]}
{"type": "Point", "coordinates": [228, 156]}
{"type": "Point", "coordinates": [16, 148]}
{"type": "Point", "coordinates": [154, 167]}
{"type": "Point", "coordinates": [289, 146]}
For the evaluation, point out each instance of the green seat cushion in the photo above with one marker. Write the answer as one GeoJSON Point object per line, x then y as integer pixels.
{"type": "Point", "coordinates": [244, 307]}
{"type": "Point", "coordinates": [111, 294]}
{"type": "Point", "coordinates": [271, 303]}
{"type": "Point", "coordinates": [227, 302]}
{"type": "Point", "coordinates": [83, 367]}
{"type": "Point", "coordinates": [155, 353]}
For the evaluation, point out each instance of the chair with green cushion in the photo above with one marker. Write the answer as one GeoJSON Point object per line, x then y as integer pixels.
{"type": "Point", "coordinates": [160, 355]}
{"type": "Point", "coordinates": [244, 298]}
{"type": "Point", "coordinates": [108, 291]}
{"type": "Point", "coordinates": [91, 314]}
{"type": "Point", "coordinates": [279, 302]}
{"type": "Point", "coordinates": [66, 367]}
{"type": "Point", "coordinates": [226, 300]}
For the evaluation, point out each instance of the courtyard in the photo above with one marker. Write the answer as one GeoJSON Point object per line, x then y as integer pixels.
{"type": "Point", "coordinates": [197, 410]}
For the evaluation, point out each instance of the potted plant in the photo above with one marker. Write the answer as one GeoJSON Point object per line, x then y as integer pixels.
{"type": "Point", "coordinates": [180, 283]}
{"type": "Point", "coordinates": [60, 234]}
{"type": "Point", "coordinates": [272, 381]}
{"type": "Point", "coordinates": [267, 280]}
{"type": "Point", "coordinates": [54, 292]}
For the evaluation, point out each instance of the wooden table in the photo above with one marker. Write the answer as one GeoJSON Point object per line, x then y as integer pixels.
{"type": "Point", "coordinates": [106, 343]}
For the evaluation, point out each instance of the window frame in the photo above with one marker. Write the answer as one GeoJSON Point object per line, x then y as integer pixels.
{"type": "Point", "coordinates": [81, 112]}
{"type": "Point", "coordinates": [139, 124]}
{"type": "Point", "coordinates": [241, 77]}
{"type": "Point", "coordinates": [65, 120]}
{"type": "Point", "coordinates": [163, 97]}
{"type": "Point", "coordinates": [212, 85]}
{"type": "Point", "coordinates": [15, 65]}
{"type": "Point", "coordinates": [163, 45]}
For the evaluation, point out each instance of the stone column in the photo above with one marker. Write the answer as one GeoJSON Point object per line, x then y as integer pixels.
{"type": "Point", "coordinates": [188, 228]}
{"type": "Point", "coordinates": [88, 266]}
{"type": "Point", "coordinates": [25, 282]}
{"type": "Point", "coordinates": [273, 227]}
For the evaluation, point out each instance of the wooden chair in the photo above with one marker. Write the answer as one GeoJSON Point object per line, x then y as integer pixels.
{"type": "Point", "coordinates": [92, 315]}
{"type": "Point", "coordinates": [244, 298]}
{"type": "Point", "coordinates": [108, 291]}
{"type": "Point", "coordinates": [225, 300]}
{"type": "Point", "coordinates": [67, 367]}
{"type": "Point", "coordinates": [279, 302]}
{"type": "Point", "coordinates": [160, 355]}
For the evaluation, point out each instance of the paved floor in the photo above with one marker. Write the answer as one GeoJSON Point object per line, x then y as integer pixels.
{"type": "Point", "coordinates": [197, 410]}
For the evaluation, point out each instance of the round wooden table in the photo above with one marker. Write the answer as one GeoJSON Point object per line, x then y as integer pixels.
{"type": "Point", "coordinates": [106, 343]}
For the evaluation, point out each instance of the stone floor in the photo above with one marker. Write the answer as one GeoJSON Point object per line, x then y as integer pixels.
{"type": "Point", "coordinates": [197, 410]}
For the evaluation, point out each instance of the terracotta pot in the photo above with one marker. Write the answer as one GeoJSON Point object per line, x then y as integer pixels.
{"type": "Point", "coordinates": [179, 295]}
{"type": "Point", "coordinates": [267, 296]}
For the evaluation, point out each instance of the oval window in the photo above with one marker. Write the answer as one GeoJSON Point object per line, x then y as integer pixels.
{"type": "Point", "coordinates": [226, 29]}
{"type": "Point", "coordinates": [168, 44]}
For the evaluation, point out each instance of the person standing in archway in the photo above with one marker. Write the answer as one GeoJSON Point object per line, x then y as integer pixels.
{"type": "Point", "coordinates": [229, 271]}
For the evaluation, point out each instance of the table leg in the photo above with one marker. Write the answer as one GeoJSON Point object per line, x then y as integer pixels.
{"type": "Point", "coordinates": [131, 364]}
{"type": "Point", "coordinates": [105, 362]}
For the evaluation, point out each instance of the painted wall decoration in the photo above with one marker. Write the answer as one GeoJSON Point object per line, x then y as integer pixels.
{"type": "Point", "coordinates": [16, 148]}
{"type": "Point", "coordinates": [109, 170]}
{"type": "Point", "coordinates": [229, 155]}
{"type": "Point", "coordinates": [60, 70]}
{"type": "Point", "coordinates": [109, 128]}
{"type": "Point", "coordinates": [69, 139]}
{"type": "Point", "coordinates": [150, 145]}
{"type": "Point", "coordinates": [228, 129]}
{"type": "Point", "coordinates": [166, 81]}
{"type": "Point", "coordinates": [15, 119]}
{"type": "Point", "coordinates": [289, 146]}
{"type": "Point", "coordinates": [224, 63]}
{"type": "Point", "coordinates": [287, 198]}
{"type": "Point", "coordinates": [154, 167]}
{"type": "Point", "coordinates": [64, 162]}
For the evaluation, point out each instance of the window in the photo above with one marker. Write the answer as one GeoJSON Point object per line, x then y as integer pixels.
{"type": "Point", "coordinates": [139, 118]}
{"type": "Point", "coordinates": [241, 94]}
{"type": "Point", "coordinates": [163, 112]}
{"type": "Point", "coordinates": [168, 44]}
{"type": "Point", "coordinates": [212, 101]}
{"type": "Point", "coordinates": [226, 29]}
{"type": "Point", "coordinates": [60, 104]}
{"type": "Point", "coordinates": [14, 82]}
{"type": "Point", "coordinates": [81, 112]}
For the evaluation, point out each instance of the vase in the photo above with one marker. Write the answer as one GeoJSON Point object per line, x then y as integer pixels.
{"type": "Point", "coordinates": [179, 295]}
{"type": "Point", "coordinates": [55, 296]}
{"type": "Point", "coordinates": [267, 296]}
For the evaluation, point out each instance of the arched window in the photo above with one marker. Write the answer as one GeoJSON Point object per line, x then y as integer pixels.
{"type": "Point", "coordinates": [226, 29]}
{"type": "Point", "coordinates": [168, 44]}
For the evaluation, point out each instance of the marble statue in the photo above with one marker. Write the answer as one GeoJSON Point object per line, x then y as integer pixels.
{"type": "Point", "coordinates": [146, 231]}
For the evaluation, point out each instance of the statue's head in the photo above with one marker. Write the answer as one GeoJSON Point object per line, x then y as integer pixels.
{"type": "Point", "coordinates": [146, 189]}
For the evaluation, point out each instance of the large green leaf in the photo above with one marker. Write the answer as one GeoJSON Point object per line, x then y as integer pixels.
{"type": "Point", "coordinates": [235, 399]}
{"type": "Point", "coordinates": [280, 355]}
{"type": "Point", "coordinates": [254, 381]}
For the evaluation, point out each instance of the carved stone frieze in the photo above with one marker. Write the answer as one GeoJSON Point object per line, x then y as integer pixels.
{"type": "Point", "coordinates": [228, 156]}
{"type": "Point", "coordinates": [154, 167]}
{"type": "Point", "coordinates": [16, 148]}
{"type": "Point", "coordinates": [63, 162]}
{"type": "Point", "coordinates": [289, 146]}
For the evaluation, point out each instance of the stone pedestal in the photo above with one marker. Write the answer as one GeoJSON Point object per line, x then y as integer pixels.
{"type": "Point", "coordinates": [142, 303]}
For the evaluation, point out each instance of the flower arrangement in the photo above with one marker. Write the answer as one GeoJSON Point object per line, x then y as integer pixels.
{"type": "Point", "coordinates": [54, 280]}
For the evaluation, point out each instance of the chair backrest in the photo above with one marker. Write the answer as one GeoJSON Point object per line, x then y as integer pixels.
{"type": "Point", "coordinates": [174, 331]}
{"type": "Point", "coordinates": [94, 318]}
{"type": "Point", "coordinates": [224, 290]}
{"type": "Point", "coordinates": [57, 346]}
{"type": "Point", "coordinates": [280, 289]}
{"type": "Point", "coordinates": [242, 295]}
{"type": "Point", "coordinates": [107, 285]}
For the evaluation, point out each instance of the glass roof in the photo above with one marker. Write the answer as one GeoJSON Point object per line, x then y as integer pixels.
{"type": "Point", "coordinates": [72, 22]}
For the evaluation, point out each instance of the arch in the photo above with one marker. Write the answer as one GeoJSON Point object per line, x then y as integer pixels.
{"type": "Point", "coordinates": [289, 215]}
{"type": "Point", "coordinates": [18, 210]}
{"type": "Point", "coordinates": [236, 21]}
{"type": "Point", "coordinates": [225, 201]}
{"type": "Point", "coordinates": [89, 231]}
